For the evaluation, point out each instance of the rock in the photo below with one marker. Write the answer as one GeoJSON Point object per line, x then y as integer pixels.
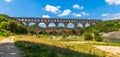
{"type": "Point", "coordinates": [115, 34]}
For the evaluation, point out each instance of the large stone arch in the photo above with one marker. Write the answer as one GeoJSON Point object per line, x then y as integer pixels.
{"type": "Point", "coordinates": [79, 25]}
{"type": "Point", "coordinates": [52, 25]}
{"type": "Point", "coordinates": [70, 25]}
{"type": "Point", "coordinates": [87, 25]}
{"type": "Point", "coordinates": [32, 24]}
{"type": "Point", "coordinates": [61, 25]}
{"type": "Point", "coordinates": [42, 25]}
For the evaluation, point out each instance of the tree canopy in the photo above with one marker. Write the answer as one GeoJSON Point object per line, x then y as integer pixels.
{"type": "Point", "coordinates": [9, 26]}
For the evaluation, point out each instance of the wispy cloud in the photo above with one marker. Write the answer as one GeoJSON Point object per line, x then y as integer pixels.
{"type": "Point", "coordinates": [105, 14]}
{"type": "Point", "coordinates": [108, 16]}
{"type": "Point", "coordinates": [65, 12]}
{"type": "Point", "coordinates": [113, 2]}
{"type": "Point", "coordinates": [8, 0]}
{"type": "Point", "coordinates": [76, 15]}
{"type": "Point", "coordinates": [80, 14]}
{"type": "Point", "coordinates": [45, 16]}
{"type": "Point", "coordinates": [76, 6]}
{"type": "Point", "coordinates": [53, 9]}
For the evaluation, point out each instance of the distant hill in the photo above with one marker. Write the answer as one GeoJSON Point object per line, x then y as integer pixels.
{"type": "Point", "coordinates": [97, 30]}
{"type": "Point", "coordinates": [105, 26]}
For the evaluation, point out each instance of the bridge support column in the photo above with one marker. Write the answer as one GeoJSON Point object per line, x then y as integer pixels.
{"type": "Point", "coordinates": [56, 23]}
{"type": "Point", "coordinates": [83, 25]}
{"type": "Point", "coordinates": [48, 32]}
{"type": "Point", "coordinates": [37, 24]}
{"type": "Point", "coordinates": [27, 24]}
{"type": "Point", "coordinates": [75, 25]}
{"type": "Point", "coordinates": [90, 23]}
{"type": "Point", "coordinates": [47, 25]}
{"type": "Point", "coordinates": [65, 25]}
{"type": "Point", "coordinates": [37, 31]}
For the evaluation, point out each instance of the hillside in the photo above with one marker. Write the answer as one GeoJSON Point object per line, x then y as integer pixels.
{"type": "Point", "coordinates": [115, 34]}
{"type": "Point", "coordinates": [96, 31]}
{"type": "Point", "coordinates": [105, 26]}
{"type": "Point", "coordinates": [9, 27]}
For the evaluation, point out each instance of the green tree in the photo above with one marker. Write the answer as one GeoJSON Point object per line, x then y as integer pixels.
{"type": "Point", "coordinates": [87, 36]}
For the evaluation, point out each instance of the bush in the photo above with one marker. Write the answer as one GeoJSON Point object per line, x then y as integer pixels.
{"type": "Point", "coordinates": [97, 36]}
{"type": "Point", "coordinates": [43, 36]}
{"type": "Point", "coordinates": [4, 32]}
{"type": "Point", "coordinates": [87, 36]}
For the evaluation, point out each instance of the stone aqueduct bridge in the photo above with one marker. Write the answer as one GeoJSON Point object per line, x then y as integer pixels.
{"type": "Point", "coordinates": [56, 21]}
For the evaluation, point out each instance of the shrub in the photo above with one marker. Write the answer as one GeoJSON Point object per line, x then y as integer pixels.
{"type": "Point", "coordinates": [87, 36]}
{"type": "Point", "coordinates": [43, 36]}
{"type": "Point", "coordinates": [97, 36]}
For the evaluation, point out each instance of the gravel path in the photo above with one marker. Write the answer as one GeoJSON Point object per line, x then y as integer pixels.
{"type": "Point", "coordinates": [7, 48]}
{"type": "Point", "coordinates": [111, 49]}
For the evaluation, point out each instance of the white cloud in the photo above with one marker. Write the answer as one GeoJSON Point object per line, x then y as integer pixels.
{"type": "Point", "coordinates": [116, 16]}
{"type": "Point", "coordinates": [45, 16]}
{"type": "Point", "coordinates": [104, 14]}
{"type": "Point", "coordinates": [8, 0]}
{"type": "Point", "coordinates": [80, 14]}
{"type": "Point", "coordinates": [77, 15]}
{"type": "Point", "coordinates": [111, 16]}
{"type": "Point", "coordinates": [65, 12]}
{"type": "Point", "coordinates": [53, 9]}
{"type": "Point", "coordinates": [84, 14]}
{"type": "Point", "coordinates": [111, 2]}
{"type": "Point", "coordinates": [76, 6]}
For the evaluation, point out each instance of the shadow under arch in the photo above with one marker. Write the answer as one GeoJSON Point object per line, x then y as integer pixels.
{"type": "Point", "coordinates": [33, 32]}
{"type": "Point", "coordinates": [42, 32]}
{"type": "Point", "coordinates": [53, 33]}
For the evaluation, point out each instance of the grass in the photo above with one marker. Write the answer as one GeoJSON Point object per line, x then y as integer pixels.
{"type": "Point", "coordinates": [2, 37]}
{"type": "Point", "coordinates": [35, 47]}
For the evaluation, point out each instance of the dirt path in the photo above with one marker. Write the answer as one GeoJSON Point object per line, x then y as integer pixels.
{"type": "Point", "coordinates": [7, 48]}
{"type": "Point", "coordinates": [111, 49]}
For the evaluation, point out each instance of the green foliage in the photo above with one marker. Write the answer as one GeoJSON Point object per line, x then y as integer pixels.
{"type": "Point", "coordinates": [97, 36]}
{"type": "Point", "coordinates": [105, 26]}
{"type": "Point", "coordinates": [87, 36]}
{"type": "Point", "coordinates": [34, 47]}
{"type": "Point", "coordinates": [9, 26]}
{"type": "Point", "coordinates": [4, 32]}
{"type": "Point", "coordinates": [2, 18]}
{"type": "Point", "coordinates": [16, 27]}
{"type": "Point", "coordinates": [44, 36]}
{"type": "Point", "coordinates": [43, 50]}
{"type": "Point", "coordinates": [102, 27]}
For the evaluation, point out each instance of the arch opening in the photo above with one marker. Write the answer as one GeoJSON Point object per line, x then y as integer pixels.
{"type": "Point", "coordinates": [32, 24]}
{"type": "Point", "coordinates": [61, 25]}
{"type": "Point", "coordinates": [52, 26]}
{"type": "Point", "coordinates": [79, 25]}
{"type": "Point", "coordinates": [24, 23]}
{"type": "Point", "coordinates": [42, 25]}
{"type": "Point", "coordinates": [70, 25]}
{"type": "Point", "coordinates": [87, 25]}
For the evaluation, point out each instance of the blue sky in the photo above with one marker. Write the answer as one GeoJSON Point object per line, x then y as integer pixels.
{"type": "Point", "coordinates": [92, 9]}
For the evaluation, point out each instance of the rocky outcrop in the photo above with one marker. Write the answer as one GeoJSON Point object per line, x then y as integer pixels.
{"type": "Point", "coordinates": [115, 34]}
